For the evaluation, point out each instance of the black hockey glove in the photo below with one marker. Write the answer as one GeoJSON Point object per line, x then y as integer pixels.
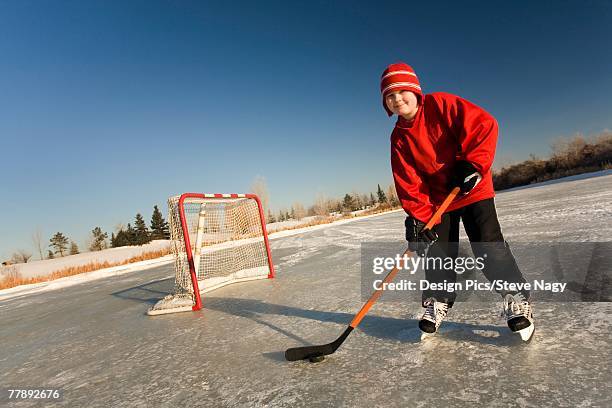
{"type": "Point", "coordinates": [465, 176]}
{"type": "Point", "coordinates": [419, 239]}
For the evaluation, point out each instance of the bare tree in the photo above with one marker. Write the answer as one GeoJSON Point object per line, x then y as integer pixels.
{"type": "Point", "coordinates": [298, 211]}
{"type": "Point", "coordinates": [21, 256]}
{"type": "Point", "coordinates": [605, 137]}
{"type": "Point", "coordinates": [358, 204]}
{"type": "Point", "coordinates": [364, 200]}
{"type": "Point", "coordinates": [503, 160]}
{"type": "Point", "coordinates": [321, 206]}
{"type": "Point", "coordinates": [563, 146]}
{"type": "Point", "coordinates": [392, 196]}
{"type": "Point", "coordinates": [10, 274]}
{"type": "Point", "coordinates": [37, 240]}
{"type": "Point", "coordinates": [260, 188]}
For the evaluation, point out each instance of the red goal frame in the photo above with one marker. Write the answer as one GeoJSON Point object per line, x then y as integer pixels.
{"type": "Point", "coordinates": [192, 271]}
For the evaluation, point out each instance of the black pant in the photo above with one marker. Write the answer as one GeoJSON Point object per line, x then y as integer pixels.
{"type": "Point", "coordinates": [483, 230]}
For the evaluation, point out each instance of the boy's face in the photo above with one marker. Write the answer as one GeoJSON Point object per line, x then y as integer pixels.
{"type": "Point", "coordinates": [403, 103]}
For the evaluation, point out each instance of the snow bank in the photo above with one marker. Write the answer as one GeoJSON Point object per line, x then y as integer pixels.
{"type": "Point", "coordinates": [112, 255]}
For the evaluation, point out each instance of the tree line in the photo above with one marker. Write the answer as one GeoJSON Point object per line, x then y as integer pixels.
{"type": "Point", "coordinates": [139, 234]}
{"type": "Point", "coordinates": [324, 206]}
{"type": "Point", "coordinates": [571, 156]}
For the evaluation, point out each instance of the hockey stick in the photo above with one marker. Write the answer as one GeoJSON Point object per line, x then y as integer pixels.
{"type": "Point", "coordinates": [315, 352]}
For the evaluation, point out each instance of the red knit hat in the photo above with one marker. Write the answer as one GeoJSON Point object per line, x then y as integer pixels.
{"type": "Point", "coordinates": [399, 77]}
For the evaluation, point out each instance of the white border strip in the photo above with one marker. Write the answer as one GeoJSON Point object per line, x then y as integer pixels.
{"type": "Point", "coordinates": [398, 72]}
{"type": "Point", "coordinates": [398, 84]}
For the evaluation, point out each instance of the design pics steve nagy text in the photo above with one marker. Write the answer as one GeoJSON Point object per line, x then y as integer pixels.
{"type": "Point", "coordinates": [469, 284]}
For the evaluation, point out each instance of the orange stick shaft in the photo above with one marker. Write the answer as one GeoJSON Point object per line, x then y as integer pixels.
{"type": "Point", "coordinates": [391, 275]}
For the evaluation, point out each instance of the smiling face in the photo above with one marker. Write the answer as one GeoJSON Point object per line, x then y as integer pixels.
{"type": "Point", "coordinates": [403, 103]}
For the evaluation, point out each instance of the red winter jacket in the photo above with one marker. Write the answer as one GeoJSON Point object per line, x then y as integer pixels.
{"type": "Point", "coordinates": [446, 128]}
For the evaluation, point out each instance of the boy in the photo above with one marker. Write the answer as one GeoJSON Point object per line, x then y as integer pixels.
{"type": "Point", "coordinates": [441, 141]}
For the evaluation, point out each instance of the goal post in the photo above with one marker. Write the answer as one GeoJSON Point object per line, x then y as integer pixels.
{"type": "Point", "coordinates": [216, 240]}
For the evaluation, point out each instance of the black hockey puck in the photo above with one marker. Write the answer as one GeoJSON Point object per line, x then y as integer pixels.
{"type": "Point", "coordinates": [316, 359]}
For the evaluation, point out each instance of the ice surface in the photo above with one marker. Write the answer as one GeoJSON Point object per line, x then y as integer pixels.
{"type": "Point", "coordinates": [260, 272]}
{"type": "Point", "coordinates": [95, 341]}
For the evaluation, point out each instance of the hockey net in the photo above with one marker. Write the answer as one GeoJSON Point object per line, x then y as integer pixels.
{"type": "Point", "coordinates": [216, 239]}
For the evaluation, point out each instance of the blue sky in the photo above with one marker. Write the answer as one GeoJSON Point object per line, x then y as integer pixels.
{"type": "Point", "coordinates": [109, 107]}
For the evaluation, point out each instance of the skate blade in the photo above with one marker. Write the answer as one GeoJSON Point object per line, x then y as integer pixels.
{"type": "Point", "coordinates": [425, 336]}
{"type": "Point", "coordinates": [440, 331]}
{"type": "Point", "coordinates": [527, 333]}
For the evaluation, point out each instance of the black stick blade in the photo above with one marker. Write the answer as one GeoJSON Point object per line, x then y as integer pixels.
{"type": "Point", "coordinates": [306, 352]}
{"type": "Point", "coordinates": [303, 353]}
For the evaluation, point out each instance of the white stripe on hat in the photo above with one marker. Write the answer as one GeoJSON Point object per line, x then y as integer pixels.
{"type": "Point", "coordinates": [398, 72]}
{"type": "Point", "coordinates": [401, 84]}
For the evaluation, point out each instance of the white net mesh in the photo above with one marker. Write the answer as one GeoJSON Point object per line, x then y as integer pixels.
{"type": "Point", "coordinates": [226, 238]}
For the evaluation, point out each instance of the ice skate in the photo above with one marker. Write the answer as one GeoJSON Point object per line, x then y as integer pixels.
{"type": "Point", "coordinates": [519, 315]}
{"type": "Point", "coordinates": [435, 312]}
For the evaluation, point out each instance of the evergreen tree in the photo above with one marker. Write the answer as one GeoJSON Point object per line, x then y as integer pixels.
{"type": "Point", "coordinates": [142, 232]}
{"type": "Point", "coordinates": [121, 239]}
{"type": "Point", "coordinates": [59, 243]}
{"type": "Point", "coordinates": [98, 240]}
{"type": "Point", "coordinates": [74, 249]}
{"type": "Point", "coordinates": [382, 198]}
{"type": "Point", "coordinates": [270, 219]}
{"type": "Point", "coordinates": [159, 226]}
{"type": "Point", "coordinates": [348, 203]}
{"type": "Point", "coordinates": [338, 206]}
{"type": "Point", "coordinates": [130, 235]}
{"type": "Point", "coordinates": [166, 230]}
{"type": "Point", "coordinates": [50, 255]}
{"type": "Point", "coordinates": [372, 200]}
